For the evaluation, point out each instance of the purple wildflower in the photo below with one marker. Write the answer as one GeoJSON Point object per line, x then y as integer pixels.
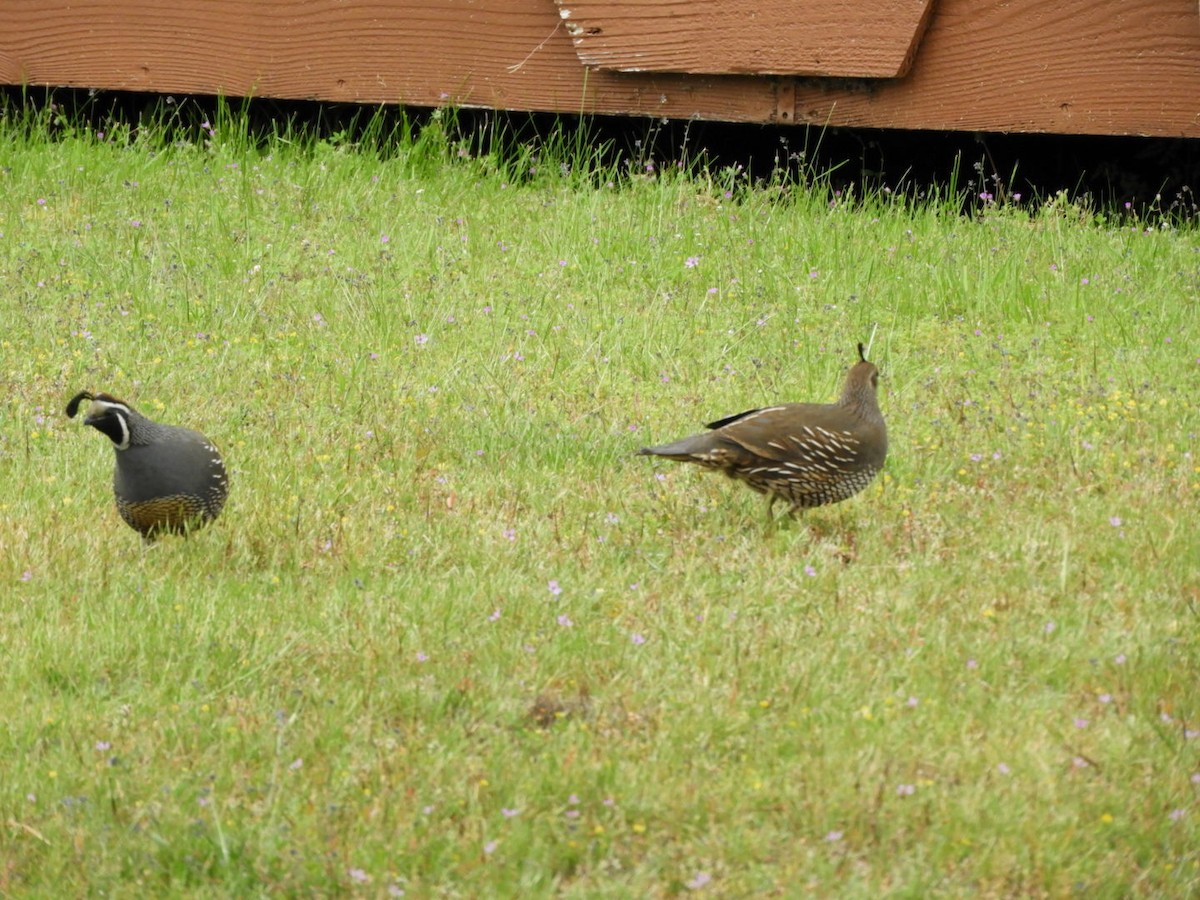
{"type": "Point", "coordinates": [701, 879]}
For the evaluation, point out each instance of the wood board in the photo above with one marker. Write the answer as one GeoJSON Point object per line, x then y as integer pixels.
{"type": "Point", "coordinates": [1072, 66]}
{"type": "Point", "coordinates": [822, 38]}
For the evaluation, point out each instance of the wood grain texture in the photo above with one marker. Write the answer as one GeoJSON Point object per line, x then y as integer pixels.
{"type": "Point", "coordinates": [826, 38]}
{"type": "Point", "coordinates": [1072, 66]}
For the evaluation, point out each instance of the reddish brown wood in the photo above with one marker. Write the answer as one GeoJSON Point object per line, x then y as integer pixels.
{"type": "Point", "coordinates": [827, 38]}
{"type": "Point", "coordinates": [1073, 66]}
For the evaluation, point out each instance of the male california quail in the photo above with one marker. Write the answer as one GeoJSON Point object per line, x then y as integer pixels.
{"type": "Point", "coordinates": [167, 479]}
{"type": "Point", "coordinates": [808, 454]}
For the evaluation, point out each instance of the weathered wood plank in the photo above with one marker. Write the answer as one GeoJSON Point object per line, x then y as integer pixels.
{"type": "Point", "coordinates": [511, 54]}
{"type": "Point", "coordinates": [828, 38]}
{"type": "Point", "coordinates": [1072, 66]}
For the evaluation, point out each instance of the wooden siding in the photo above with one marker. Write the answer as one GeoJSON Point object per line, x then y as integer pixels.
{"type": "Point", "coordinates": [1069, 66]}
{"type": "Point", "coordinates": [824, 38]}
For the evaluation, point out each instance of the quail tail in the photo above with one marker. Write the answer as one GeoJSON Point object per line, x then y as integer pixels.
{"type": "Point", "coordinates": [685, 449]}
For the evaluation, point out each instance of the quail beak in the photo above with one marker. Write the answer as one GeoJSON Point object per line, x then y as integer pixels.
{"type": "Point", "coordinates": [94, 412]}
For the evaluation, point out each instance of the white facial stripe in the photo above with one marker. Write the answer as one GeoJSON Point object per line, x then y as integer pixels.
{"type": "Point", "coordinates": [120, 412]}
{"type": "Point", "coordinates": [100, 406]}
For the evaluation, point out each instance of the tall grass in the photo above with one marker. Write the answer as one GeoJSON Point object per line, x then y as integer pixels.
{"type": "Point", "coordinates": [450, 637]}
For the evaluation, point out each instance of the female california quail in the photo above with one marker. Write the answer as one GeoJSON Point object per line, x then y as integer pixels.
{"type": "Point", "coordinates": [808, 454]}
{"type": "Point", "coordinates": [167, 479]}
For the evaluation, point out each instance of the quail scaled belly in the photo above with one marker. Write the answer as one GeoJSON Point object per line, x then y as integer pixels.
{"type": "Point", "coordinates": [806, 454]}
{"type": "Point", "coordinates": [167, 479]}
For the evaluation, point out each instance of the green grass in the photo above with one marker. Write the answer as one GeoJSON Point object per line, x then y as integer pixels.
{"type": "Point", "coordinates": [429, 374]}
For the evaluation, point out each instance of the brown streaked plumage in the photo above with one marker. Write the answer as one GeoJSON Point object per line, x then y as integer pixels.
{"type": "Point", "coordinates": [807, 454]}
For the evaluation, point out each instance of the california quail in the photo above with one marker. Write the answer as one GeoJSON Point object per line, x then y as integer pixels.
{"type": "Point", "coordinates": [167, 479]}
{"type": "Point", "coordinates": [807, 454]}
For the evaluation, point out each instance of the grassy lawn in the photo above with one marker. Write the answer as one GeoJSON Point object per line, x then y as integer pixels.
{"type": "Point", "coordinates": [451, 637]}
